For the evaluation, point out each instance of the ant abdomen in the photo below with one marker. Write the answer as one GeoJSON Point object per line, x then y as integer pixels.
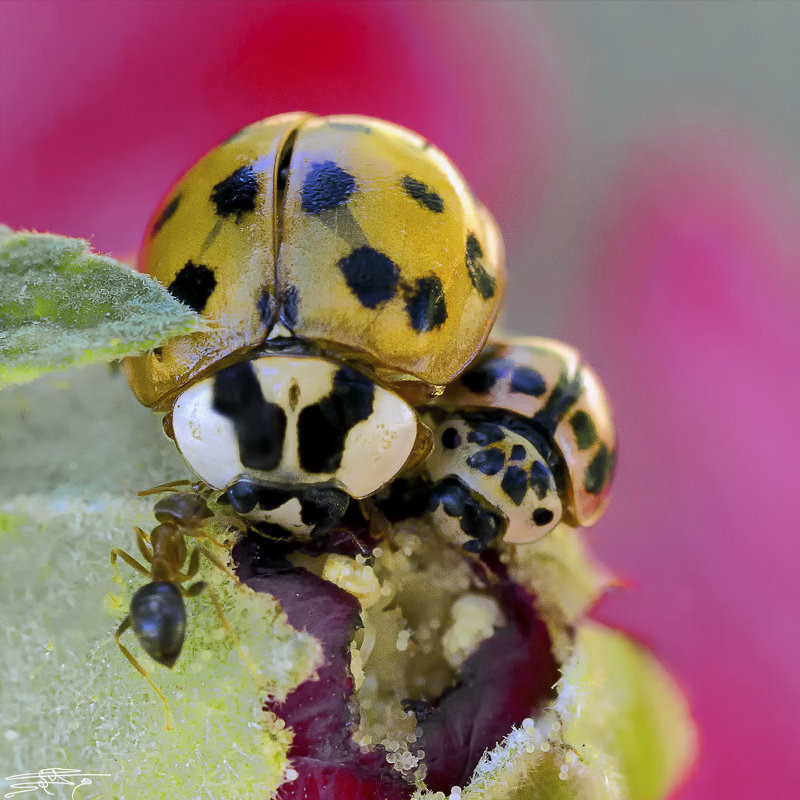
{"type": "Point", "coordinates": [158, 618]}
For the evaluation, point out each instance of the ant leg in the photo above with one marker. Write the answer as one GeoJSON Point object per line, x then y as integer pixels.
{"type": "Point", "coordinates": [164, 487]}
{"type": "Point", "coordinates": [142, 541]}
{"type": "Point", "coordinates": [200, 586]}
{"type": "Point", "coordinates": [129, 560]}
{"type": "Point", "coordinates": [201, 534]}
{"type": "Point", "coordinates": [124, 625]}
{"type": "Point", "coordinates": [191, 570]}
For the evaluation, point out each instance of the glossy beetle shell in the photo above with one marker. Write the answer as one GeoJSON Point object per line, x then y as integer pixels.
{"type": "Point", "coordinates": [347, 231]}
{"type": "Point", "coordinates": [546, 382]}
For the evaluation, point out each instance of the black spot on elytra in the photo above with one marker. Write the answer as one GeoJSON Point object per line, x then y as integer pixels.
{"type": "Point", "coordinates": [289, 310]}
{"type": "Point", "coordinates": [169, 209]}
{"type": "Point", "coordinates": [370, 275]}
{"type": "Point", "coordinates": [425, 304]}
{"type": "Point", "coordinates": [326, 186]}
{"type": "Point", "coordinates": [542, 516]}
{"type": "Point", "coordinates": [540, 479]}
{"type": "Point", "coordinates": [482, 378]}
{"type": "Point", "coordinates": [260, 426]}
{"type": "Point", "coordinates": [517, 453]}
{"type": "Point", "coordinates": [237, 193]}
{"type": "Point", "coordinates": [481, 279]}
{"type": "Point", "coordinates": [584, 429]}
{"type": "Point", "coordinates": [515, 484]}
{"type": "Point", "coordinates": [564, 395]}
{"type": "Point", "coordinates": [423, 194]}
{"type": "Point", "coordinates": [485, 433]}
{"type": "Point", "coordinates": [528, 381]}
{"type": "Point", "coordinates": [489, 461]}
{"type": "Point", "coordinates": [451, 438]}
{"type": "Point", "coordinates": [193, 285]}
{"type": "Point", "coordinates": [323, 427]}
{"type": "Point", "coordinates": [599, 471]}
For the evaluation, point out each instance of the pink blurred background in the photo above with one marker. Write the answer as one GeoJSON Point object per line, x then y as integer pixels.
{"type": "Point", "coordinates": [645, 175]}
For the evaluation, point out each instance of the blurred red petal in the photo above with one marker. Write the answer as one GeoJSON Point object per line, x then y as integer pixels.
{"type": "Point", "coordinates": [694, 323]}
{"type": "Point", "coordinates": [105, 104]}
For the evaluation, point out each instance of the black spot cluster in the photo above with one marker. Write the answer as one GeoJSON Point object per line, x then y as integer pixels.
{"type": "Point", "coordinates": [371, 275]}
{"type": "Point", "coordinates": [193, 285]}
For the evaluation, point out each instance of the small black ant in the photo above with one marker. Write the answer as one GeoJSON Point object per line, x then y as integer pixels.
{"type": "Point", "coordinates": [157, 612]}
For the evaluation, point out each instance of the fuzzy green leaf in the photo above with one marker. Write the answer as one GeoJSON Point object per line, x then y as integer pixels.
{"type": "Point", "coordinates": [62, 305]}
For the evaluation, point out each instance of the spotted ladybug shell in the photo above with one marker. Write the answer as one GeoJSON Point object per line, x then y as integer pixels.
{"type": "Point", "coordinates": [347, 231]}
{"type": "Point", "coordinates": [547, 383]}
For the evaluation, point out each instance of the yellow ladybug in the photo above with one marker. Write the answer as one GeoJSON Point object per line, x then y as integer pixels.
{"type": "Point", "coordinates": [347, 276]}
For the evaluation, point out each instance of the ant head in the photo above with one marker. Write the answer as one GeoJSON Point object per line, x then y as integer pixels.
{"type": "Point", "coordinates": [158, 617]}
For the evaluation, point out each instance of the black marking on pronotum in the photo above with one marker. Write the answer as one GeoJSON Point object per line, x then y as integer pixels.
{"type": "Point", "coordinates": [482, 378]}
{"type": "Point", "coordinates": [477, 522]}
{"type": "Point", "coordinates": [193, 285]}
{"type": "Point", "coordinates": [294, 394]}
{"type": "Point", "coordinates": [540, 479]}
{"type": "Point", "coordinates": [323, 427]}
{"type": "Point", "coordinates": [425, 304]}
{"type": "Point", "coordinates": [260, 426]}
{"type": "Point", "coordinates": [423, 194]}
{"type": "Point", "coordinates": [451, 438]}
{"type": "Point", "coordinates": [564, 395]}
{"type": "Point", "coordinates": [489, 461]}
{"type": "Point", "coordinates": [326, 186]}
{"type": "Point", "coordinates": [486, 433]}
{"type": "Point", "coordinates": [584, 429]}
{"type": "Point", "coordinates": [599, 471]}
{"type": "Point", "coordinates": [169, 209]}
{"type": "Point", "coordinates": [515, 484]}
{"type": "Point", "coordinates": [481, 279]}
{"type": "Point", "coordinates": [517, 453]}
{"type": "Point", "coordinates": [528, 381]}
{"type": "Point", "coordinates": [288, 315]}
{"type": "Point", "coordinates": [237, 193]}
{"type": "Point", "coordinates": [542, 516]}
{"type": "Point", "coordinates": [370, 275]}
